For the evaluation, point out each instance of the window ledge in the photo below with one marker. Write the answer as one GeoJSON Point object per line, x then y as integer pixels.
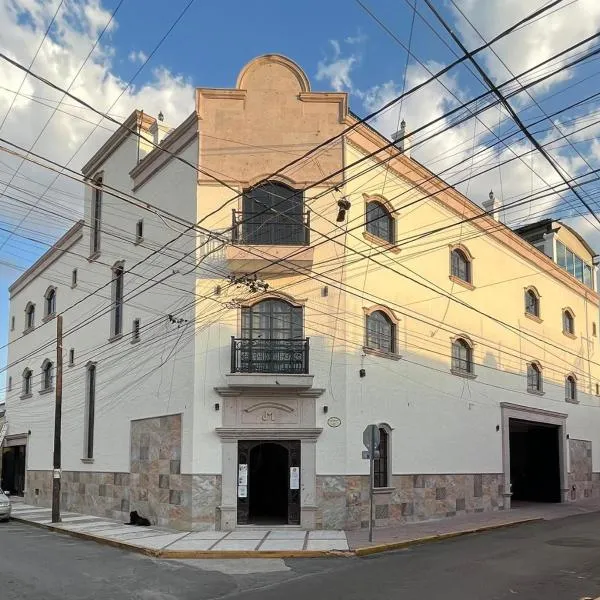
{"type": "Point", "coordinates": [381, 353]}
{"type": "Point", "coordinates": [94, 256]}
{"type": "Point", "coordinates": [25, 396]}
{"type": "Point", "coordinates": [383, 490]}
{"type": "Point", "coordinates": [570, 401]}
{"type": "Point", "coordinates": [536, 392]}
{"type": "Point", "coordinates": [114, 338]}
{"type": "Point", "coordinates": [87, 461]}
{"type": "Point", "coordinates": [49, 317]}
{"type": "Point", "coordinates": [533, 317]}
{"type": "Point", "coordinates": [464, 374]}
{"type": "Point", "coordinates": [138, 241]}
{"type": "Point", "coordinates": [135, 340]}
{"type": "Point", "coordinates": [373, 239]}
{"type": "Point", "coordinates": [569, 335]}
{"type": "Point", "coordinates": [28, 330]}
{"type": "Point", "coordinates": [46, 391]}
{"type": "Point", "coordinates": [465, 284]}
{"type": "Point", "coordinates": [73, 286]}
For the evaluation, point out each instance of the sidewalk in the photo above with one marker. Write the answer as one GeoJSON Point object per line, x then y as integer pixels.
{"type": "Point", "coordinates": [285, 542]}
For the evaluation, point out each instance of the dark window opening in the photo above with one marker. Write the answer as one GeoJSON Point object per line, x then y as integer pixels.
{"type": "Point", "coordinates": [571, 388]}
{"type": "Point", "coordinates": [568, 322]}
{"type": "Point", "coordinates": [96, 216]}
{"type": "Point", "coordinates": [534, 378]}
{"type": "Point", "coordinates": [117, 293]}
{"type": "Point", "coordinates": [139, 231]}
{"type": "Point", "coordinates": [532, 303]}
{"type": "Point", "coordinates": [462, 356]}
{"type": "Point", "coordinates": [461, 265]}
{"type": "Point", "coordinates": [380, 332]}
{"type": "Point", "coordinates": [381, 475]}
{"type": "Point", "coordinates": [379, 221]}
{"type": "Point", "coordinates": [89, 412]}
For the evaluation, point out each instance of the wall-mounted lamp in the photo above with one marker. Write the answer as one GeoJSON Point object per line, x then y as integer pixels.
{"type": "Point", "coordinates": [326, 409]}
{"type": "Point", "coordinates": [343, 207]}
{"type": "Point", "coordinates": [217, 406]}
{"type": "Point", "coordinates": [362, 373]}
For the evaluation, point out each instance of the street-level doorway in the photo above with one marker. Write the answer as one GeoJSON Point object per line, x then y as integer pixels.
{"type": "Point", "coordinates": [534, 461]}
{"type": "Point", "coordinates": [269, 482]}
{"type": "Point", "coordinates": [13, 470]}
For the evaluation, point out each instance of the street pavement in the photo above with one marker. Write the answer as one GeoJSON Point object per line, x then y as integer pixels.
{"type": "Point", "coordinates": [547, 560]}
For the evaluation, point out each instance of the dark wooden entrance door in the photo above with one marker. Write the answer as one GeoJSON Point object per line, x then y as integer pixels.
{"type": "Point", "coordinates": [13, 470]}
{"type": "Point", "coordinates": [269, 482]}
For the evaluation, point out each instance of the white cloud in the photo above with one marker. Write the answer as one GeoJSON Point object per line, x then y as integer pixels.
{"type": "Point", "coordinates": [359, 38]}
{"type": "Point", "coordinates": [76, 29]}
{"type": "Point", "coordinates": [336, 70]}
{"type": "Point", "coordinates": [138, 56]}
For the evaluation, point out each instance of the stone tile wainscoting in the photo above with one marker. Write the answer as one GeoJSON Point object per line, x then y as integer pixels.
{"type": "Point", "coordinates": [155, 486]}
{"type": "Point", "coordinates": [343, 501]}
{"type": "Point", "coordinates": [581, 480]}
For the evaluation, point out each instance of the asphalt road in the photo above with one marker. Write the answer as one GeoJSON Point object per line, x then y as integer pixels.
{"type": "Point", "coordinates": [548, 560]}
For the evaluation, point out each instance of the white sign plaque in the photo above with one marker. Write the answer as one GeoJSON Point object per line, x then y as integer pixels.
{"type": "Point", "coordinates": [243, 475]}
{"type": "Point", "coordinates": [242, 491]}
{"type": "Point", "coordinates": [294, 478]}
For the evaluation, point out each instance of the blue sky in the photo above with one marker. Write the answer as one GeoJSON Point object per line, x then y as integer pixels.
{"type": "Point", "coordinates": [338, 45]}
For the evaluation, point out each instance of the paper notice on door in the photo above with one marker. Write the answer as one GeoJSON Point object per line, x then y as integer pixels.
{"type": "Point", "coordinates": [294, 478]}
{"type": "Point", "coordinates": [242, 491]}
{"type": "Point", "coordinates": [243, 475]}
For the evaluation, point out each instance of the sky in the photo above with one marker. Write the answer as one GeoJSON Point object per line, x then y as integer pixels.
{"type": "Point", "coordinates": [108, 54]}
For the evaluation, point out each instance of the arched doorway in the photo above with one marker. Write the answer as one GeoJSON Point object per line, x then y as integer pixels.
{"type": "Point", "coordinates": [269, 482]}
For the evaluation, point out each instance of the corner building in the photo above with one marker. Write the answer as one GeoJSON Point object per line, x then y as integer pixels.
{"type": "Point", "coordinates": [205, 398]}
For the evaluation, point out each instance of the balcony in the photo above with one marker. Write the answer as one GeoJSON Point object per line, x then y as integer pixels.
{"type": "Point", "coordinates": [273, 243]}
{"type": "Point", "coordinates": [270, 363]}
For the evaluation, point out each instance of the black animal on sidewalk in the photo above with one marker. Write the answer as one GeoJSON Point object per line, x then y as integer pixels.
{"type": "Point", "coordinates": [136, 519]}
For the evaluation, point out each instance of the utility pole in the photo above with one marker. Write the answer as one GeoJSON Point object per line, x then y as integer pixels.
{"type": "Point", "coordinates": [57, 422]}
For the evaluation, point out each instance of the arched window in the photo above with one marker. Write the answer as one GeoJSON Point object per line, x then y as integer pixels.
{"type": "Point", "coordinates": [534, 378]}
{"type": "Point", "coordinates": [272, 214]}
{"type": "Point", "coordinates": [381, 467]}
{"type": "Point", "coordinates": [29, 316]}
{"type": "Point", "coordinates": [379, 222]}
{"type": "Point", "coordinates": [380, 332]}
{"type": "Point", "coordinates": [568, 322]}
{"type": "Point", "coordinates": [50, 302]}
{"type": "Point", "coordinates": [27, 381]}
{"type": "Point", "coordinates": [47, 375]}
{"type": "Point", "coordinates": [570, 388]}
{"type": "Point", "coordinates": [96, 216]}
{"type": "Point", "coordinates": [532, 303]}
{"type": "Point", "coordinates": [90, 410]}
{"type": "Point", "coordinates": [461, 265]}
{"type": "Point", "coordinates": [272, 339]}
{"type": "Point", "coordinates": [462, 357]}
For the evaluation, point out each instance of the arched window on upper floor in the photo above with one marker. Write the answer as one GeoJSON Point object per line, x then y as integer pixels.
{"type": "Point", "coordinates": [461, 265]}
{"type": "Point", "coordinates": [535, 382]}
{"type": "Point", "coordinates": [568, 322]}
{"type": "Point", "coordinates": [27, 382]}
{"type": "Point", "coordinates": [47, 376]}
{"type": "Point", "coordinates": [462, 356]}
{"type": "Point", "coordinates": [571, 388]}
{"type": "Point", "coordinates": [380, 331]}
{"type": "Point", "coordinates": [50, 302]}
{"type": "Point", "coordinates": [532, 302]}
{"type": "Point", "coordinates": [29, 316]}
{"type": "Point", "coordinates": [379, 222]}
{"type": "Point", "coordinates": [272, 214]}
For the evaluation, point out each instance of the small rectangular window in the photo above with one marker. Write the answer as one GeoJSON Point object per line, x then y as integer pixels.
{"type": "Point", "coordinates": [12, 323]}
{"type": "Point", "coordinates": [10, 384]}
{"type": "Point", "coordinates": [594, 330]}
{"type": "Point", "coordinates": [96, 216]}
{"type": "Point", "coordinates": [74, 278]}
{"type": "Point", "coordinates": [117, 300]}
{"type": "Point", "coordinates": [597, 390]}
{"type": "Point", "coordinates": [71, 357]}
{"type": "Point", "coordinates": [90, 409]}
{"type": "Point", "coordinates": [135, 333]}
{"type": "Point", "coordinates": [139, 231]}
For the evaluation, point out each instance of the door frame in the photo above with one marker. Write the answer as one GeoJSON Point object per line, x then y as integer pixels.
{"type": "Point", "coordinates": [307, 437]}
{"type": "Point", "coordinates": [534, 415]}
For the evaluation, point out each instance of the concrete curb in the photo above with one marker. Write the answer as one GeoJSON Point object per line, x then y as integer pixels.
{"type": "Point", "coordinates": [222, 554]}
{"type": "Point", "coordinates": [367, 550]}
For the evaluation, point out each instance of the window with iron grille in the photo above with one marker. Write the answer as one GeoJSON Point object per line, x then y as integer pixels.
{"type": "Point", "coordinates": [47, 375]}
{"type": "Point", "coordinates": [50, 302]}
{"type": "Point", "coordinates": [71, 357]}
{"type": "Point", "coordinates": [461, 265]}
{"type": "Point", "coordinates": [139, 231]}
{"type": "Point", "coordinates": [381, 464]}
{"type": "Point", "coordinates": [532, 303]}
{"type": "Point", "coordinates": [534, 378]}
{"type": "Point", "coordinates": [462, 356]}
{"type": "Point", "coordinates": [96, 216]}
{"type": "Point", "coordinates": [272, 214]}
{"type": "Point", "coordinates": [30, 316]}
{"type": "Point", "coordinates": [380, 332]}
{"type": "Point", "coordinates": [117, 298]}
{"type": "Point", "coordinates": [135, 333]}
{"type": "Point", "coordinates": [27, 381]}
{"type": "Point", "coordinates": [379, 221]}
{"type": "Point", "coordinates": [568, 322]}
{"type": "Point", "coordinates": [271, 339]}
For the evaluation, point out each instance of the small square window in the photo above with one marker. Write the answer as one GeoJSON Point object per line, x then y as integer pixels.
{"type": "Point", "coordinates": [72, 357]}
{"type": "Point", "coordinates": [139, 231]}
{"type": "Point", "coordinates": [12, 323]}
{"type": "Point", "coordinates": [74, 278]}
{"type": "Point", "coordinates": [9, 387]}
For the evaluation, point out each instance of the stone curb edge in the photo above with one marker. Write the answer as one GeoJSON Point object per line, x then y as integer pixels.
{"type": "Point", "coordinates": [221, 554]}
{"type": "Point", "coordinates": [160, 553]}
{"type": "Point", "coordinates": [367, 550]}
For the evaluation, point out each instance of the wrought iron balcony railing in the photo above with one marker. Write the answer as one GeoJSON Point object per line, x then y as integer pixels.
{"type": "Point", "coordinates": [269, 356]}
{"type": "Point", "coordinates": [285, 229]}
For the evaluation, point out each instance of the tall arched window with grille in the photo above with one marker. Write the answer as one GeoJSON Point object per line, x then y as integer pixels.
{"type": "Point", "coordinates": [90, 411]}
{"type": "Point", "coordinates": [381, 467]}
{"type": "Point", "coordinates": [462, 357]}
{"type": "Point", "coordinates": [534, 378]}
{"type": "Point", "coordinates": [460, 265]}
{"type": "Point", "coordinates": [381, 332]}
{"type": "Point", "coordinates": [116, 318]}
{"type": "Point", "coordinates": [47, 376]}
{"type": "Point", "coordinates": [532, 302]}
{"type": "Point", "coordinates": [571, 388]}
{"type": "Point", "coordinates": [29, 316]}
{"type": "Point", "coordinates": [379, 222]}
{"type": "Point", "coordinates": [27, 382]}
{"type": "Point", "coordinates": [50, 302]}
